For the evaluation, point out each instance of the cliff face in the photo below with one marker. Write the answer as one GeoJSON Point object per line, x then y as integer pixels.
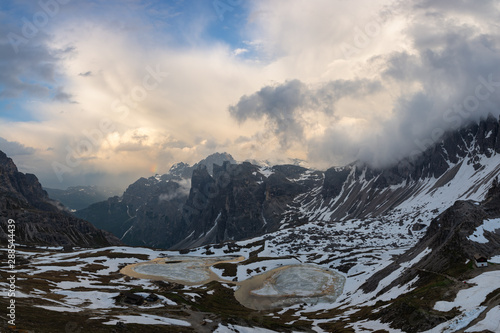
{"type": "Point", "coordinates": [227, 206]}
{"type": "Point", "coordinates": [20, 187]}
{"type": "Point", "coordinates": [242, 201]}
{"type": "Point", "coordinates": [38, 220]}
{"type": "Point", "coordinates": [149, 213]}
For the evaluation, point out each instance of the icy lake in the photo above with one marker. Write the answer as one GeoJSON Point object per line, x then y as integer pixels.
{"type": "Point", "coordinates": [290, 285]}
{"type": "Point", "coordinates": [183, 270]}
{"type": "Point", "coordinates": [279, 287]}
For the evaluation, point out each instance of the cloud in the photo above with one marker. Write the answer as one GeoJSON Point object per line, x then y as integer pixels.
{"type": "Point", "coordinates": [163, 127]}
{"type": "Point", "coordinates": [29, 72]}
{"type": "Point", "coordinates": [182, 191]}
{"type": "Point", "coordinates": [427, 56]}
{"type": "Point", "coordinates": [62, 96]}
{"type": "Point", "coordinates": [435, 86]}
{"type": "Point", "coordinates": [280, 104]}
{"type": "Point", "coordinates": [284, 106]}
{"type": "Point", "coordinates": [486, 9]}
{"type": "Point", "coordinates": [87, 73]}
{"type": "Point", "coordinates": [33, 69]}
{"type": "Point", "coordinates": [294, 93]}
{"type": "Point", "coordinates": [15, 148]}
{"type": "Point", "coordinates": [239, 51]}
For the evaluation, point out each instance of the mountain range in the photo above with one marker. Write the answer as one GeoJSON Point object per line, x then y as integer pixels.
{"type": "Point", "coordinates": [218, 200]}
{"type": "Point", "coordinates": [79, 197]}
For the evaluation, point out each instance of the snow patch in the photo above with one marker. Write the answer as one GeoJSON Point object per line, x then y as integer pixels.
{"type": "Point", "coordinates": [495, 260]}
{"type": "Point", "coordinates": [459, 322]}
{"type": "Point", "coordinates": [266, 171]}
{"type": "Point", "coordinates": [490, 322]}
{"type": "Point", "coordinates": [470, 298]}
{"type": "Point", "coordinates": [241, 329]}
{"type": "Point", "coordinates": [488, 225]}
{"type": "Point", "coordinates": [147, 319]}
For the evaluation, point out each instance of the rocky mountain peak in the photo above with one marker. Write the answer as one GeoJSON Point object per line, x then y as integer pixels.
{"type": "Point", "coordinates": [184, 170]}
{"type": "Point", "coordinates": [180, 169]}
{"type": "Point", "coordinates": [6, 164]}
{"type": "Point", "coordinates": [215, 159]}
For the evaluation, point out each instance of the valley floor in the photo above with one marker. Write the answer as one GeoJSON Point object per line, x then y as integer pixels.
{"type": "Point", "coordinates": [84, 291]}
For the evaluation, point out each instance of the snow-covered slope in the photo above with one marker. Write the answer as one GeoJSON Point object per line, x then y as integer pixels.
{"type": "Point", "coordinates": [461, 167]}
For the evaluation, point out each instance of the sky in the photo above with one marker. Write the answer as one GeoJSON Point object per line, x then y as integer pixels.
{"type": "Point", "coordinates": [104, 92]}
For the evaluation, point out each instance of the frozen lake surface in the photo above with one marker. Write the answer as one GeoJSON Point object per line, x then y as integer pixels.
{"type": "Point", "coordinates": [182, 269]}
{"type": "Point", "coordinates": [192, 271]}
{"type": "Point", "coordinates": [298, 281]}
{"type": "Point", "coordinates": [280, 287]}
{"type": "Point", "coordinates": [289, 285]}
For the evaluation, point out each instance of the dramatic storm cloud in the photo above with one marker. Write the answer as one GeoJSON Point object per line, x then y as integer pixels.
{"type": "Point", "coordinates": [106, 91]}
{"type": "Point", "coordinates": [443, 74]}
{"type": "Point", "coordinates": [281, 105]}
{"type": "Point", "coordinates": [285, 106]}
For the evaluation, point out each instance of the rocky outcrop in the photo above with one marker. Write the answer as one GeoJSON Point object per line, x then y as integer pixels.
{"type": "Point", "coordinates": [148, 213]}
{"type": "Point", "coordinates": [39, 221]}
{"type": "Point", "coordinates": [185, 171]}
{"type": "Point", "coordinates": [228, 206]}
{"type": "Point", "coordinates": [233, 202]}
